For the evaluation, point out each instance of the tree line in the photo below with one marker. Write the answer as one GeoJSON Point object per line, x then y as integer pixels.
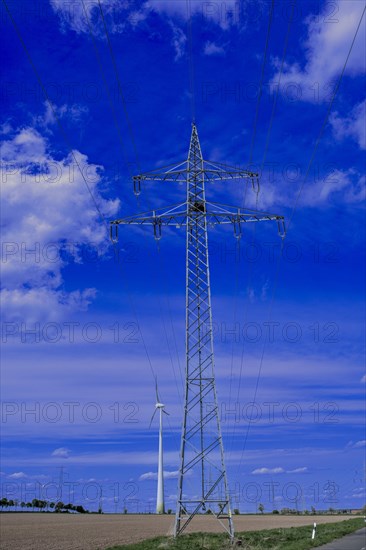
{"type": "Point", "coordinates": [42, 505]}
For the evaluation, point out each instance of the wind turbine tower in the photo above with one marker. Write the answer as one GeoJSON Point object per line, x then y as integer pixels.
{"type": "Point", "coordinates": [202, 449]}
{"type": "Point", "coordinates": [160, 508]}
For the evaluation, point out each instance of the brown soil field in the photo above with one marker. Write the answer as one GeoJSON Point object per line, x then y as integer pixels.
{"type": "Point", "coordinates": [50, 531]}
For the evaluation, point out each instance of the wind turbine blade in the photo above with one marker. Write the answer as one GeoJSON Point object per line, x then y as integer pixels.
{"type": "Point", "coordinates": [152, 418]}
{"type": "Point", "coordinates": [166, 412]}
{"type": "Point", "coordinates": [156, 390]}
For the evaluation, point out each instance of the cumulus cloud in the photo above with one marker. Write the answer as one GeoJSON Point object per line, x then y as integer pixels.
{"type": "Point", "coordinates": [261, 471]}
{"type": "Point", "coordinates": [76, 14]}
{"type": "Point", "coordinates": [298, 470]}
{"type": "Point", "coordinates": [346, 186]}
{"type": "Point", "coordinates": [210, 48]}
{"type": "Point", "coordinates": [332, 188]}
{"type": "Point", "coordinates": [326, 47]}
{"type": "Point", "coordinates": [178, 41]}
{"type": "Point", "coordinates": [75, 113]}
{"type": "Point", "coordinates": [48, 218]}
{"type": "Point", "coordinates": [17, 475]}
{"type": "Point", "coordinates": [356, 445]}
{"type": "Point", "coordinates": [154, 475]}
{"type": "Point", "coordinates": [61, 452]}
{"type": "Point", "coordinates": [279, 470]}
{"type": "Point", "coordinates": [353, 126]}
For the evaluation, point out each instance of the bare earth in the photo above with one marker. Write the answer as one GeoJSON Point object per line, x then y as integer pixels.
{"type": "Point", "coordinates": [49, 531]}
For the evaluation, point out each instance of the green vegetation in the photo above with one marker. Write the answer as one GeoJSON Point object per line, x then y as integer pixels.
{"type": "Point", "coordinates": [41, 505]}
{"type": "Point", "coordinates": [294, 538]}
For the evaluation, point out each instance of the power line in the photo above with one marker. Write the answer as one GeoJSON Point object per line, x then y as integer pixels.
{"type": "Point", "coordinates": [104, 78]}
{"type": "Point", "coordinates": [119, 85]}
{"type": "Point", "coordinates": [293, 211]}
{"type": "Point", "coordinates": [278, 87]}
{"type": "Point", "coordinates": [325, 121]}
{"type": "Point", "coordinates": [65, 137]}
{"type": "Point", "coordinates": [190, 61]}
{"type": "Point", "coordinates": [264, 61]}
{"type": "Point", "coordinates": [257, 197]}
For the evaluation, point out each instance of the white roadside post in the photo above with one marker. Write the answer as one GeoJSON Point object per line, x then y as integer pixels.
{"type": "Point", "coordinates": [314, 532]}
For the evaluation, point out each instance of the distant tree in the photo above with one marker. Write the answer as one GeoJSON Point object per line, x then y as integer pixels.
{"type": "Point", "coordinates": [331, 510]}
{"type": "Point", "coordinates": [261, 508]}
{"type": "Point", "coordinates": [125, 510]}
{"type": "Point", "coordinates": [275, 512]}
{"type": "Point", "coordinates": [11, 503]}
{"type": "Point", "coordinates": [313, 511]}
{"type": "Point", "coordinates": [52, 505]}
{"type": "Point", "coordinates": [23, 504]}
{"type": "Point", "coordinates": [29, 505]}
{"type": "Point", "coordinates": [169, 511]}
{"type": "Point", "coordinates": [80, 509]}
{"type": "Point", "coordinates": [35, 503]}
{"type": "Point", "coordinates": [4, 502]}
{"type": "Point", "coordinates": [236, 511]}
{"type": "Point", "coordinates": [59, 506]}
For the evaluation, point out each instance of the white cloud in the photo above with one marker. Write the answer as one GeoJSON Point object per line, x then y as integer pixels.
{"type": "Point", "coordinates": [346, 186]}
{"type": "Point", "coordinates": [154, 475]}
{"type": "Point", "coordinates": [297, 470]}
{"type": "Point", "coordinates": [17, 475]}
{"type": "Point", "coordinates": [356, 445]}
{"type": "Point", "coordinates": [178, 41]}
{"type": "Point", "coordinates": [279, 470]}
{"type": "Point", "coordinates": [260, 471]}
{"type": "Point", "coordinates": [353, 126]}
{"type": "Point", "coordinates": [224, 14]}
{"type": "Point", "coordinates": [211, 48]}
{"type": "Point", "coordinates": [72, 14]}
{"type": "Point", "coordinates": [61, 452]}
{"type": "Point", "coordinates": [48, 217]}
{"type": "Point", "coordinates": [326, 49]}
{"type": "Point", "coordinates": [130, 13]}
{"type": "Point", "coordinates": [363, 379]}
{"type": "Point", "coordinates": [74, 113]}
{"type": "Point", "coordinates": [334, 187]}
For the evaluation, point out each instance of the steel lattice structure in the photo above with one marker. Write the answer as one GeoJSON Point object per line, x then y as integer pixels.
{"type": "Point", "coordinates": [202, 452]}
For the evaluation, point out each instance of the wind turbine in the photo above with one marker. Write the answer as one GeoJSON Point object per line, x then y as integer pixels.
{"type": "Point", "coordinates": [160, 509]}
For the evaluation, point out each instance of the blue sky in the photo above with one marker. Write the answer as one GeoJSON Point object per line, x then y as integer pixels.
{"type": "Point", "coordinates": [84, 371]}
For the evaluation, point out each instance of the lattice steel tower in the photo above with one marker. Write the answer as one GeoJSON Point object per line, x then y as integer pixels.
{"type": "Point", "coordinates": [202, 452]}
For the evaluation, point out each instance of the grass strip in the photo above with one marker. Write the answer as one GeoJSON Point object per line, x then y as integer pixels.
{"type": "Point", "coordinates": [293, 538]}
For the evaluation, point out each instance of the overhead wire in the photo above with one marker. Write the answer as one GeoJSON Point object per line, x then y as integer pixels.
{"type": "Point", "coordinates": [252, 142]}
{"type": "Point", "coordinates": [261, 172]}
{"type": "Point", "coordinates": [119, 84]}
{"type": "Point", "coordinates": [191, 61]}
{"type": "Point", "coordinates": [324, 123]}
{"type": "Point", "coordinates": [72, 153]}
{"type": "Point", "coordinates": [131, 133]}
{"type": "Point", "coordinates": [104, 78]}
{"type": "Point", "coordinates": [102, 217]}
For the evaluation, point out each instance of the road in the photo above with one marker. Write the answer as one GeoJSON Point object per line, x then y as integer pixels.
{"type": "Point", "coordinates": [354, 541]}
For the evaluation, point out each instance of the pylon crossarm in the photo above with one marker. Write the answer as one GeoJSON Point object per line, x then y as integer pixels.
{"type": "Point", "coordinates": [211, 171]}
{"type": "Point", "coordinates": [180, 219]}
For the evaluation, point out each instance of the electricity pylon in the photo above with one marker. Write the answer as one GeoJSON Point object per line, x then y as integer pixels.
{"type": "Point", "coordinates": [202, 452]}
